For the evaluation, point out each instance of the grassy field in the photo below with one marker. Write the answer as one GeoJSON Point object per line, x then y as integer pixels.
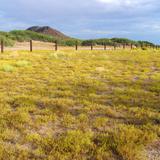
{"type": "Point", "coordinates": [80, 105]}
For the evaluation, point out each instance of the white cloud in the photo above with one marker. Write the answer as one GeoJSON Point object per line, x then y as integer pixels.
{"type": "Point", "coordinates": [7, 24]}
{"type": "Point", "coordinates": [128, 3]}
{"type": "Point", "coordinates": [152, 26]}
{"type": "Point", "coordinates": [105, 32]}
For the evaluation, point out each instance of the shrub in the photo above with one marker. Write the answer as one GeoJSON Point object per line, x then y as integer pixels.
{"type": "Point", "coordinates": [128, 141]}
{"type": "Point", "coordinates": [21, 36]}
{"type": "Point", "coordinates": [7, 41]}
{"type": "Point", "coordinates": [60, 105]}
{"type": "Point", "coordinates": [7, 68]}
{"type": "Point", "coordinates": [73, 145]}
{"type": "Point", "coordinates": [22, 63]}
{"type": "Point", "coordinates": [100, 122]}
{"type": "Point", "coordinates": [68, 120]}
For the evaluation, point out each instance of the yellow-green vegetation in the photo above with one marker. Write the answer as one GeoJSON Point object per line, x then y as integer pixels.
{"type": "Point", "coordinates": [79, 105]}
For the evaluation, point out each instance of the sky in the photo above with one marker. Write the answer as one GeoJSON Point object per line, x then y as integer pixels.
{"type": "Point", "coordinates": [86, 19]}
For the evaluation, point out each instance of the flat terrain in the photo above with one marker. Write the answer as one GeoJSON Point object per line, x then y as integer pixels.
{"type": "Point", "coordinates": [80, 105]}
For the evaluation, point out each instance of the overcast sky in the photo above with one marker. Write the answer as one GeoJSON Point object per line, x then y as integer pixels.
{"type": "Point", "coordinates": [135, 19]}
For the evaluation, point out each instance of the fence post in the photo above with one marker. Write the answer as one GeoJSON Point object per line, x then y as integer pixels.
{"type": "Point", "coordinates": [115, 46]}
{"type": "Point", "coordinates": [56, 45]}
{"type": "Point", "coordinates": [76, 45]}
{"type": "Point", "coordinates": [2, 46]}
{"type": "Point", "coordinates": [31, 46]}
{"type": "Point", "coordinates": [105, 47]}
{"type": "Point", "coordinates": [141, 46]}
{"type": "Point", "coordinates": [131, 46]}
{"type": "Point", "coordinates": [124, 46]}
{"type": "Point", "coordinates": [91, 46]}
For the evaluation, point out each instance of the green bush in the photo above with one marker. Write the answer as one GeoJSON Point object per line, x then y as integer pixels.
{"type": "Point", "coordinates": [21, 36]}
{"type": "Point", "coordinates": [112, 41]}
{"type": "Point", "coordinates": [7, 41]}
{"type": "Point", "coordinates": [7, 68]}
{"type": "Point", "coordinates": [22, 63]}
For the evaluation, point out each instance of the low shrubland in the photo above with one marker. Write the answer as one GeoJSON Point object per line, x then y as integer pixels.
{"type": "Point", "coordinates": [80, 105]}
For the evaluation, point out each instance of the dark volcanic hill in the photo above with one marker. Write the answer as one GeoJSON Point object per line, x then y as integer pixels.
{"type": "Point", "coordinates": [49, 31]}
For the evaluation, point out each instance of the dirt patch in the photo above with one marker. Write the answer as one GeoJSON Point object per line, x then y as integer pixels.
{"type": "Point", "coordinates": [153, 151]}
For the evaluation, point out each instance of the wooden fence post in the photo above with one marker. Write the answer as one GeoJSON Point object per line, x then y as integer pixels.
{"type": "Point", "coordinates": [131, 46]}
{"type": "Point", "coordinates": [31, 46]}
{"type": "Point", "coordinates": [2, 46]}
{"type": "Point", "coordinates": [115, 46]}
{"type": "Point", "coordinates": [124, 46]}
{"type": "Point", "coordinates": [76, 46]}
{"type": "Point", "coordinates": [105, 47]}
{"type": "Point", "coordinates": [91, 46]}
{"type": "Point", "coordinates": [56, 45]}
{"type": "Point", "coordinates": [141, 46]}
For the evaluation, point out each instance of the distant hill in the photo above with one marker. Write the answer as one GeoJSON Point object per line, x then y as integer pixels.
{"type": "Point", "coordinates": [11, 37]}
{"type": "Point", "coordinates": [48, 31]}
{"type": "Point", "coordinates": [47, 34]}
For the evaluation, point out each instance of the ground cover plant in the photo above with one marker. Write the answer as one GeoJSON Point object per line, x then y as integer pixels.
{"type": "Point", "coordinates": [80, 105]}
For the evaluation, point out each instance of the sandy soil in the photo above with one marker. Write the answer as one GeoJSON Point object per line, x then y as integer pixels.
{"type": "Point", "coordinates": [153, 151]}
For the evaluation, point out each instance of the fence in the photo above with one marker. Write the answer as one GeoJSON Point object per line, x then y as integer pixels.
{"type": "Point", "coordinates": [55, 46]}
